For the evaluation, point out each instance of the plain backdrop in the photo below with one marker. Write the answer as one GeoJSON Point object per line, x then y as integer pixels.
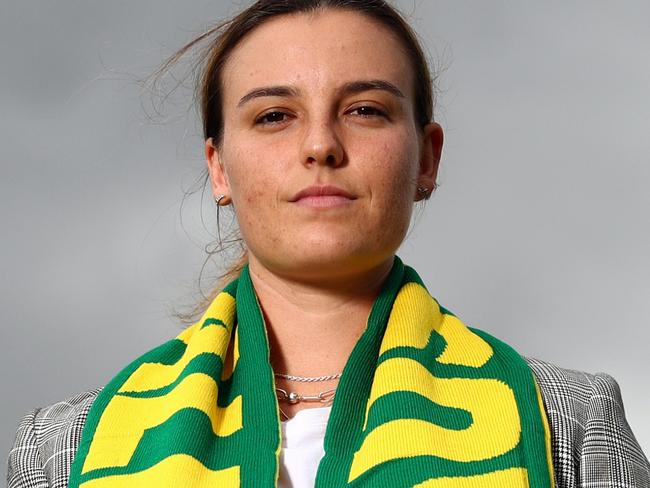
{"type": "Point", "coordinates": [539, 232]}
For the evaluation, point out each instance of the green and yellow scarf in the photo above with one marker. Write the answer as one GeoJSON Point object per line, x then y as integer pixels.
{"type": "Point", "coordinates": [423, 401]}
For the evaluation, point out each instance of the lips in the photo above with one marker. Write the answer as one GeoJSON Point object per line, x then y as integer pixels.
{"type": "Point", "coordinates": [314, 192]}
{"type": "Point", "coordinates": [323, 197]}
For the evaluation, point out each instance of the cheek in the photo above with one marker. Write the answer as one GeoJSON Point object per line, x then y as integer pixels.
{"type": "Point", "coordinates": [252, 177]}
{"type": "Point", "coordinates": [255, 179]}
{"type": "Point", "coordinates": [391, 179]}
{"type": "Point", "coordinates": [393, 170]}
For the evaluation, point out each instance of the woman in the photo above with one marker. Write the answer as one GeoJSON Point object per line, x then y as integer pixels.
{"type": "Point", "coordinates": [318, 128]}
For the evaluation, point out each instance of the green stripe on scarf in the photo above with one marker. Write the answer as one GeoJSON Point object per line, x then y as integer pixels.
{"type": "Point", "coordinates": [423, 401]}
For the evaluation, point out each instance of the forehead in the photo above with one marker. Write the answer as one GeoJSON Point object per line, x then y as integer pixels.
{"type": "Point", "coordinates": [318, 52]}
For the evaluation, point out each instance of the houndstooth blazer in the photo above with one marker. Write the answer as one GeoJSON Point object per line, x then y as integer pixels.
{"type": "Point", "coordinates": [593, 445]}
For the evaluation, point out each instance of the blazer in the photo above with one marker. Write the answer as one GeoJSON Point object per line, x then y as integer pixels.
{"type": "Point", "coordinates": [592, 443]}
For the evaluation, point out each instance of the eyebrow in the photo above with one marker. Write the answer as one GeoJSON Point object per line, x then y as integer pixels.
{"type": "Point", "coordinates": [350, 88]}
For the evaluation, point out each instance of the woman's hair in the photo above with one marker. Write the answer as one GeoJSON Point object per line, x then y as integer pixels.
{"type": "Point", "coordinates": [224, 37]}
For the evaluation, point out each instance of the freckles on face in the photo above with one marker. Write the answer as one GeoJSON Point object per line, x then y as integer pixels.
{"type": "Point", "coordinates": [393, 173]}
{"type": "Point", "coordinates": [277, 144]}
{"type": "Point", "coordinates": [253, 197]}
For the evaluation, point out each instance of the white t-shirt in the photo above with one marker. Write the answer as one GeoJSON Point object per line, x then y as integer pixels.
{"type": "Point", "coordinates": [302, 447]}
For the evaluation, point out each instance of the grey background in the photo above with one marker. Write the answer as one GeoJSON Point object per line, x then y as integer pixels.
{"type": "Point", "coordinates": [539, 232]}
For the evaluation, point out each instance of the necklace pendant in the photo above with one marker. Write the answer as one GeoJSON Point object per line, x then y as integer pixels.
{"type": "Point", "coordinates": [293, 397]}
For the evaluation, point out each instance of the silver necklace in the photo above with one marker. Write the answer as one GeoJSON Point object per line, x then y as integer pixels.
{"type": "Point", "coordinates": [293, 397]}
{"type": "Point", "coordinates": [308, 379]}
{"type": "Point", "coordinates": [326, 397]}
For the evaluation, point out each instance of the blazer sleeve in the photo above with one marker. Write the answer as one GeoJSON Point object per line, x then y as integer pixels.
{"type": "Point", "coordinates": [24, 464]}
{"type": "Point", "coordinates": [610, 454]}
{"type": "Point", "coordinates": [46, 443]}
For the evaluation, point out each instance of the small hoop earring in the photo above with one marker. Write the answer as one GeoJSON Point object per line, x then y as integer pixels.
{"type": "Point", "coordinates": [217, 200]}
{"type": "Point", "coordinates": [424, 191]}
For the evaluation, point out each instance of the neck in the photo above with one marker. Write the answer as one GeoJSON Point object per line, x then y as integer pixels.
{"type": "Point", "coordinates": [313, 326]}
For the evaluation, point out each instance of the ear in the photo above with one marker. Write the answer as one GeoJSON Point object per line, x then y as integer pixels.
{"type": "Point", "coordinates": [218, 177]}
{"type": "Point", "coordinates": [432, 140]}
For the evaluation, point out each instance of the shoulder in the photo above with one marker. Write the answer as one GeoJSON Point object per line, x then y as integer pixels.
{"type": "Point", "coordinates": [572, 387]}
{"type": "Point", "coordinates": [46, 442]}
{"type": "Point", "coordinates": [591, 439]}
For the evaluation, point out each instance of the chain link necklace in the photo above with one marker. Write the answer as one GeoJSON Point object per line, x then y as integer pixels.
{"type": "Point", "coordinates": [308, 379]}
{"type": "Point", "coordinates": [325, 397]}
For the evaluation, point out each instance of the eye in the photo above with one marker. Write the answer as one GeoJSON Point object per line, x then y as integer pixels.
{"type": "Point", "coordinates": [271, 118]}
{"type": "Point", "coordinates": [368, 111]}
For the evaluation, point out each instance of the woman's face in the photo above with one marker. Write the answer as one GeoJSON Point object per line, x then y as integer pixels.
{"type": "Point", "coordinates": [313, 101]}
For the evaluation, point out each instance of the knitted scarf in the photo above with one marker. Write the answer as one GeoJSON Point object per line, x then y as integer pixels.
{"type": "Point", "coordinates": [424, 401]}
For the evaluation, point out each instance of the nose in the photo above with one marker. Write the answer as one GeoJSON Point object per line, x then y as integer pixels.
{"type": "Point", "coordinates": [321, 145]}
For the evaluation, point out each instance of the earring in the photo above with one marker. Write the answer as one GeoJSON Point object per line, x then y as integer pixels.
{"type": "Point", "coordinates": [424, 191]}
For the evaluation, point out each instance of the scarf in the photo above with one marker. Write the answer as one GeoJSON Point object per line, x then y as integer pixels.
{"type": "Point", "coordinates": [423, 401]}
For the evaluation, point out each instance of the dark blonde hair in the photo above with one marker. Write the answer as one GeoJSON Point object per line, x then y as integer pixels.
{"type": "Point", "coordinates": [224, 37]}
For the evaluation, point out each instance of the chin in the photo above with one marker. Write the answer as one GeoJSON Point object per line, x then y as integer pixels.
{"type": "Point", "coordinates": [325, 258]}
{"type": "Point", "coordinates": [331, 260]}
{"type": "Point", "coordinates": [324, 250]}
